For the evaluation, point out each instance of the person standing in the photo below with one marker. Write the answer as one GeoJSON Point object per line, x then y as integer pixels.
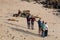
{"type": "Point", "coordinates": [39, 26]}
{"type": "Point", "coordinates": [43, 29]}
{"type": "Point", "coordinates": [28, 20]}
{"type": "Point", "coordinates": [32, 22]}
{"type": "Point", "coordinates": [46, 29]}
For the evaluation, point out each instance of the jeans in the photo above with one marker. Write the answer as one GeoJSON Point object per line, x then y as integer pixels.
{"type": "Point", "coordinates": [43, 33]}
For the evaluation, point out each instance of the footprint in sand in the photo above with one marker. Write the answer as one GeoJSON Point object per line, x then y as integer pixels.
{"type": "Point", "coordinates": [24, 38]}
{"type": "Point", "coordinates": [13, 37]}
{"type": "Point", "coordinates": [7, 32]}
{"type": "Point", "coordinates": [56, 37]}
{"type": "Point", "coordinates": [21, 36]}
{"type": "Point", "coordinates": [1, 25]}
{"type": "Point", "coordinates": [9, 35]}
{"type": "Point", "coordinates": [1, 37]}
{"type": "Point", "coordinates": [53, 31]}
{"type": "Point", "coordinates": [0, 16]}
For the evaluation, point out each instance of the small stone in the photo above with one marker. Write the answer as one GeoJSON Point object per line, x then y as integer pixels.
{"type": "Point", "coordinates": [13, 37]}
{"type": "Point", "coordinates": [21, 36]}
{"type": "Point", "coordinates": [10, 34]}
{"type": "Point", "coordinates": [56, 37]}
{"type": "Point", "coordinates": [24, 38]}
{"type": "Point", "coordinates": [7, 32]}
{"type": "Point", "coordinates": [53, 31]}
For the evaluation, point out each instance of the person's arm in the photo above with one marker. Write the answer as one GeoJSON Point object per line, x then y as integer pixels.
{"type": "Point", "coordinates": [46, 26]}
{"type": "Point", "coordinates": [36, 20]}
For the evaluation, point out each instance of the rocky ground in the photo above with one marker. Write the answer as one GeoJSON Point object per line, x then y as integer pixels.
{"type": "Point", "coordinates": [17, 30]}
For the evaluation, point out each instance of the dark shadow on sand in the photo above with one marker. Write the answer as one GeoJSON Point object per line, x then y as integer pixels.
{"type": "Point", "coordinates": [26, 32]}
{"type": "Point", "coordinates": [14, 25]}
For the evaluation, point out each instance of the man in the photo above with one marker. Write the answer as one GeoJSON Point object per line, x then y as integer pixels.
{"type": "Point", "coordinates": [28, 20]}
{"type": "Point", "coordinates": [39, 24]}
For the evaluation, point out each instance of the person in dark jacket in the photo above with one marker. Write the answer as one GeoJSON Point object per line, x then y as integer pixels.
{"type": "Point", "coordinates": [28, 20]}
{"type": "Point", "coordinates": [39, 25]}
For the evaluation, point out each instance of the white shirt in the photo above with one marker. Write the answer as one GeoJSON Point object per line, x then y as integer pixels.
{"type": "Point", "coordinates": [46, 27]}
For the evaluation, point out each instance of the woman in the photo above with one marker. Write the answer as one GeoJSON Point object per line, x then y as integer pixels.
{"type": "Point", "coordinates": [32, 22]}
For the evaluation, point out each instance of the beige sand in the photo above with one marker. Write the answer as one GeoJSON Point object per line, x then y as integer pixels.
{"type": "Point", "coordinates": [17, 30]}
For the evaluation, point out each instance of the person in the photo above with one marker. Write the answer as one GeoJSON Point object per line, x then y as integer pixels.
{"type": "Point", "coordinates": [46, 29]}
{"type": "Point", "coordinates": [56, 4]}
{"type": "Point", "coordinates": [28, 20]}
{"type": "Point", "coordinates": [32, 22]}
{"type": "Point", "coordinates": [39, 25]}
{"type": "Point", "coordinates": [43, 29]}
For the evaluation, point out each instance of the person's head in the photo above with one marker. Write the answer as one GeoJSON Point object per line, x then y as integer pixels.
{"type": "Point", "coordinates": [19, 10]}
{"type": "Point", "coordinates": [27, 11]}
{"type": "Point", "coordinates": [39, 18]}
{"type": "Point", "coordinates": [32, 16]}
{"type": "Point", "coordinates": [42, 21]}
{"type": "Point", "coordinates": [45, 22]}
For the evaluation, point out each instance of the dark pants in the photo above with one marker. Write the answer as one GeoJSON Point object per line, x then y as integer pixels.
{"type": "Point", "coordinates": [46, 32]}
{"type": "Point", "coordinates": [43, 33]}
{"type": "Point", "coordinates": [32, 24]}
{"type": "Point", "coordinates": [28, 24]}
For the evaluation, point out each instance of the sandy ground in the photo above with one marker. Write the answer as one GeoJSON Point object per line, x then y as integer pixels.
{"type": "Point", "coordinates": [17, 30]}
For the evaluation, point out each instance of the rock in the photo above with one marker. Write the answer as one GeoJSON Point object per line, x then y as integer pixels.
{"type": "Point", "coordinates": [56, 37]}
{"type": "Point", "coordinates": [21, 36]}
{"type": "Point", "coordinates": [24, 38]}
{"type": "Point", "coordinates": [53, 31]}
{"type": "Point", "coordinates": [13, 37]}
{"type": "Point", "coordinates": [12, 19]}
{"type": "Point", "coordinates": [7, 31]}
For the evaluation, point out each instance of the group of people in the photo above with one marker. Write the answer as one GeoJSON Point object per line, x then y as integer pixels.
{"type": "Point", "coordinates": [42, 26]}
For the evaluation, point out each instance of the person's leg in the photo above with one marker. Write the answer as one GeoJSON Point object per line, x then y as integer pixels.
{"type": "Point", "coordinates": [46, 32]}
{"type": "Point", "coordinates": [40, 31]}
{"type": "Point", "coordinates": [43, 33]}
{"type": "Point", "coordinates": [28, 24]}
{"type": "Point", "coordinates": [32, 25]}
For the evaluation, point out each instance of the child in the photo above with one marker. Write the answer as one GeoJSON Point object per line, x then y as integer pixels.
{"type": "Point", "coordinates": [46, 29]}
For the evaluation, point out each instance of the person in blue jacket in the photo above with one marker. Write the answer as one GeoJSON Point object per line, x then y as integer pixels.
{"type": "Point", "coordinates": [39, 25]}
